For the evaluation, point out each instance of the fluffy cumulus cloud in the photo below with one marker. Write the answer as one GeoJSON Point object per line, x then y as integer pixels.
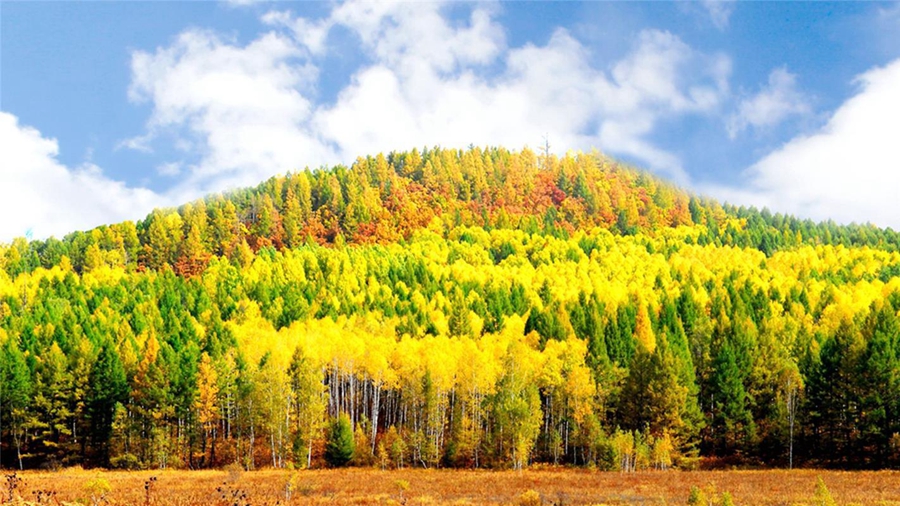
{"type": "Point", "coordinates": [245, 107]}
{"type": "Point", "coordinates": [775, 102]}
{"type": "Point", "coordinates": [428, 79]}
{"type": "Point", "coordinates": [848, 171]}
{"type": "Point", "coordinates": [44, 197]}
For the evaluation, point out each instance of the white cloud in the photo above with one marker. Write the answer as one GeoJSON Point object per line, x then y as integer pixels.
{"type": "Point", "coordinates": [773, 104]}
{"type": "Point", "coordinates": [243, 107]}
{"type": "Point", "coordinates": [311, 35]}
{"type": "Point", "coordinates": [412, 36]}
{"type": "Point", "coordinates": [429, 81]}
{"type": "Point", "coordinates": [848, 171]}
{"type": "Point", "coordinates": [44, 196]}
{"type": "Point", "coordinates": [664, 72]}
{"type": "Point", "coordinates": [412, 97]}
{"type": "Point", "coordinates": [719, 11]}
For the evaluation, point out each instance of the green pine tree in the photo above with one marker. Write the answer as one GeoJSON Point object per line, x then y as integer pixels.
{"type": "Point", "coordinates": [15, 392]}
{"type": "Point", "coordinates": [339, 445]}
{"type": "Point", "coordinates": [731, 419]}
{"type": "Point", "coordinates": [108, 387]}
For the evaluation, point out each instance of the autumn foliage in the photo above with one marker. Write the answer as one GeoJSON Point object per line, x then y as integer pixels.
{"type": "Point", "coordinates": [468, 309]}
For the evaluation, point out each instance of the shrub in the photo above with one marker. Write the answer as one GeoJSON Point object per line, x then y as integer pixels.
{"type": "Point", "coordinates": [823, 496]}
{"type": "Point", "coordinates": [530, 498]}
{"type": "Point", "coordinates": [402, 487]}
{"type": "Point", "coordinates": [98, 488]}
{"type": "Point", "coordinates": [697, 497]}
{"type": "Point", "coordinates": [727, 500]}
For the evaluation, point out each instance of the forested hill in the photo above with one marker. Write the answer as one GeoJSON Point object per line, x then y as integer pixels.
{"type": "Point", "coordinates": [455, 309]}
{"type": "Point", "coordinates": [384, 199]}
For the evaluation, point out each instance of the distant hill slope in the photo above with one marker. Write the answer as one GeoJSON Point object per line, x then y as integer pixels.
{"type": "Point", "coordinates": [384, 199]}
{"type": "Point", "coordinates": [453, 309]}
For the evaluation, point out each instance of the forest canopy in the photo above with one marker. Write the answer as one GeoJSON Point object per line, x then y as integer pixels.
{"type": "Point", "coordinates": [453, 308]}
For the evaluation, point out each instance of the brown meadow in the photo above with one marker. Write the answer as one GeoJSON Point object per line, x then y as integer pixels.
{"type": "Point", "coordinates": [554, 486]}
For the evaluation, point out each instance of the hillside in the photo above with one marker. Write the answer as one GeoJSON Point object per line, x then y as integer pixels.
{"type": "Point", "coordinates": [385, 199]}
{"type": "Point", "coordinates": [482, 308]}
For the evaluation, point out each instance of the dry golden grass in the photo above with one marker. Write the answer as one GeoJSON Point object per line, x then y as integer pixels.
{"type": "Point", "coordinates": [424, 487]}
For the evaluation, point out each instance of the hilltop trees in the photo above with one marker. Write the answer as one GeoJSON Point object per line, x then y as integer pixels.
{"type": "Point", "coordinates": [387, 198]}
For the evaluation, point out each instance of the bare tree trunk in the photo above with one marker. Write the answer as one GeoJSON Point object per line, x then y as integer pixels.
{"type": "Point", "coordinates": [18, 441]}
{"type": "Point", "coordinates": [272, 441]}
{"type": "Point", "coordinates": [376, 397]}
{"type": "Point", "coordinates": [792, 402]}
{"type": "Point", "coordinates": [250, 463]}
{"type": "Point", "coordinates": [791, 405]}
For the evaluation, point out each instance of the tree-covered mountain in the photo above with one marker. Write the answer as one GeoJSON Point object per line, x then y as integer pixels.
{"type": "Point", "coordinates": [459, 308]}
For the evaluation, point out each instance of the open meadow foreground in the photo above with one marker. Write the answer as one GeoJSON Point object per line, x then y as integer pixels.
{"type": "Point", "coordinates": [458, 487]}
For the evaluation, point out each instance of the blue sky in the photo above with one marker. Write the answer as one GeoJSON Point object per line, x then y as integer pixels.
{"type": "Point", "coordinates": [108, 109]}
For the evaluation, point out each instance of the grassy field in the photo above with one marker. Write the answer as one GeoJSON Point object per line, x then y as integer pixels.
{"type": "Point", "coordinates": [414, 487]}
